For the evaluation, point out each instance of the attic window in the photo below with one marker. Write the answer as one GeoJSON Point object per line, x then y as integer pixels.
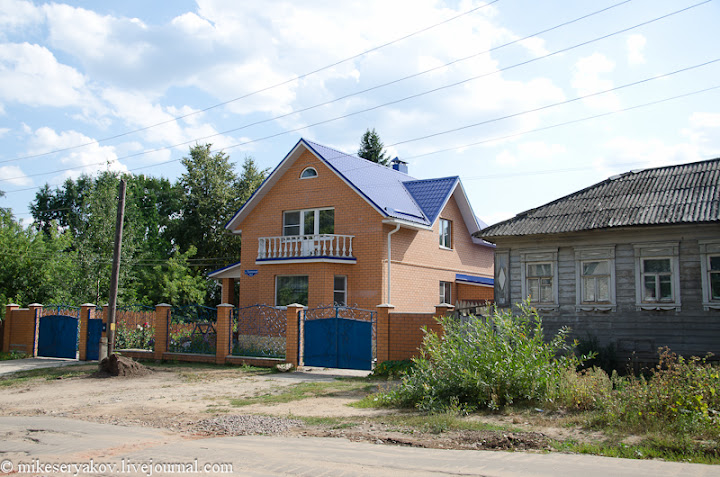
{"type": "Point", "coordinates": [308, 172]}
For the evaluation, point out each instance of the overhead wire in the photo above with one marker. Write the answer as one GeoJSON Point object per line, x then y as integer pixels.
{"type": "Point", "coordinates": [262, 90]}
{"type": "Point", "coordinates": [345, 116]}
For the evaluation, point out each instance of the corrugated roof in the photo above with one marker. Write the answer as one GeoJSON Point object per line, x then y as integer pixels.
{"type": "Point", "coordinates": [684, 193]}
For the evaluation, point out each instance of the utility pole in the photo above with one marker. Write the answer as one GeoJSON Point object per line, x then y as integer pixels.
{"type": "Point", "coordinates": [115, 277]}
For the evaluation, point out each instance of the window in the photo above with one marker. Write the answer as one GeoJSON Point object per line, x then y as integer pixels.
{"type": "Point", "coordinates": [539, 278]}
{"type": "Point", "coordinates": [308, 173]}
{"type": "Point", "coordinates": [291, 289]}
{"type": "Point", "coordinates": [445, 233]}
{"type": "Point", "coordinates": [340, 290]}
{"type": "Point", "coordinates": [309, 222]}
{"type": "Point", "coordinates": [710, 269]}
{"type": "Point", "coordinates": [445, 292]}
{"type": "Point", "coordinates": [657, 279]}
{"type": "Point", "coordinates": [595, 278]}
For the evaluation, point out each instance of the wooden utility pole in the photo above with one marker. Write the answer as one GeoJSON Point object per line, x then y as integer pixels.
{"type": "Point", "coordinates": [115, 277]}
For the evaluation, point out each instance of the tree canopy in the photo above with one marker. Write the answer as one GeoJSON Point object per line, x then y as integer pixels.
{"type": "Point", "coordinates": [174, 233]}
{"type": "Point", "coordinates": [372, 148]}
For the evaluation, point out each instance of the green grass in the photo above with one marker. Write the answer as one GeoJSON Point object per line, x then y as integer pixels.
{"type": "Point", "coordinates": [300, 391]}
{"type": "Point", "coordinates": [48, 374]}
{"type": "Point", "coordinates": [12, 355]}
{"type": "Point", "coordinates": [675, 450]}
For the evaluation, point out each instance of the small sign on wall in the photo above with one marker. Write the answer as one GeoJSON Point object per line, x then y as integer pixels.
{"type": "Point", "coordinates": [251, 273]}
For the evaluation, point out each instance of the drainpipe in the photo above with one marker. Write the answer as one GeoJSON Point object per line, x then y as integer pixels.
{"type": "Point", "coordinates": [390, 258]}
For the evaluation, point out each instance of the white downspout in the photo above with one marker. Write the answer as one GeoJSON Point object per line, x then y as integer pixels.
{"type": "Point", "coordinates": [390, 259]}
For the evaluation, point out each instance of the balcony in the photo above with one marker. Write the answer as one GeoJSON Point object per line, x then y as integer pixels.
{"type": "Point", "coordinates": [306, 248]}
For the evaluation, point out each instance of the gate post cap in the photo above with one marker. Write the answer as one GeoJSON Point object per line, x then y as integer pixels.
{"type": "Point", "coordinates": [163, 304]}
{"type": "Point", "coordinates": [34, 304]}
{"type": "Point", "coordinates": [385, 305]}
{"type": "Point", "coordinates": [88, 304]}
{"type": "Point", "coordinates": [13, 304]}
{"type": "Point", "coordinates": [226, 305]}
{"type": "Point", "coordinates": [296, 305]}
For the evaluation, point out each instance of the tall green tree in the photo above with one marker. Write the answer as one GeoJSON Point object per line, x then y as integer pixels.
{"type": "Point", "coordinates": [372, 148]}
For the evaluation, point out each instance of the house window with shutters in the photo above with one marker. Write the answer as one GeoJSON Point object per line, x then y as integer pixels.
{"type": "Point", "coordinates": [595, 279]}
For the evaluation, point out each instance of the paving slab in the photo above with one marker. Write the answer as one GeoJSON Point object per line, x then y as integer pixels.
{"type": "Point", "coordinates": [14, 365]}
{"type": "Point", "coordinates": [50, 440]}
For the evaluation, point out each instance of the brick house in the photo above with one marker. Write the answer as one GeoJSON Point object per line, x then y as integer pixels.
{"type": "Point", "coordinates": [321, 227]}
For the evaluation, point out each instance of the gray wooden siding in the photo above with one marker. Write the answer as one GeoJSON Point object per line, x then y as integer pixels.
{"type": "Point", "coordinates": [691, 331]}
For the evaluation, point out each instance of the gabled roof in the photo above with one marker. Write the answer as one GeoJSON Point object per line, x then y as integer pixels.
{"type": "Point", "coordinates": [394, 194]}
{"type": "Point", "coordinates": [680, 194]}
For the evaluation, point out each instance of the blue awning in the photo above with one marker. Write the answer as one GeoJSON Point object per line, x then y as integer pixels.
{"type": "Point", "coordinates": [459, 277]}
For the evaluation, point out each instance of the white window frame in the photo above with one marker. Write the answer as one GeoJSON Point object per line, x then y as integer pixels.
{"type": "Point", "coordinates": [311, 176]}
{"type": "Point", "coordinates": [343, 291]}
{"type": "Point", "coordinates": [445, 286]}
{"type": "Point", "coordinates": [445, 244]}
{"type": "Point", "coordinates": [657, 251]}
{"type": "Point", "coordinates": [538, 257]}
{"type": "Point", "coordinates": [277, 277]}
{"type": "Point", "coordinates": [594, 254]}
{"type": "Point", "coordinates": [316, 224]}
{"type": "Point", "coordinates": [708, 249]}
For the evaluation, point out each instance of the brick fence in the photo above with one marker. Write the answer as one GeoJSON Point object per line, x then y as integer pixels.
{"type": "Point", "coordinates": [399, 335]}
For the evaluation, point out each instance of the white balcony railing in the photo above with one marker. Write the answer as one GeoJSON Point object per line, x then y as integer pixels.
{"type": "Point", "coordinates": [304, 246]}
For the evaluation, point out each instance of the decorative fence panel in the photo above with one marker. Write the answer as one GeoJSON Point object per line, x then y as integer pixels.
{"type": "Point", "coordinates": [192, 329]}
{"type": "Point", "coordinates": [135, 327]}
{"type": "Point", "coordinates": [258, 331]}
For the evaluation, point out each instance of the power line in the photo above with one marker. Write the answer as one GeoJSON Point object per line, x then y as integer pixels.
{"type": "Point", "coordinates": [262, 90]}
{"type": "Point", "coordinates": [354, 113]}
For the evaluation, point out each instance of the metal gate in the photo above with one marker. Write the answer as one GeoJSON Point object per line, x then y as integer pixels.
{"type": "Point", "coordinates": [338, 337]}
{"type": "Point", "coordinates": [94, 333]}
{"type": "Point", "coordinates": [58, 332]}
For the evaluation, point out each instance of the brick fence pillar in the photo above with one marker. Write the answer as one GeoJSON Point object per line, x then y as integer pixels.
{"type": "Point", "coordinates": [222, 332]}
{"type": "Point", "coordinates": [85, 311]}
{"type": "Point", "coordinates": [162, 312]}
{"type": "Point", "coordinates": [383, 332]}
{"type": "Point", "coordinates": [292, 335]}
{"type": "Point", "coordinates": [228, 290]}
{"type": "Point", "coordinates": [9, 312]}
{"type": "Point", "coordinates": [443, 309]}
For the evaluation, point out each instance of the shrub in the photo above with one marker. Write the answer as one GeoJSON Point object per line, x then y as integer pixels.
{"type": "Point", "coordinates": [486, 362]}
{"type": "Point", "coordinates": [392, 369]}
{"type": "Point", "coordinates": [680, 395]}
{"type": "Point", "coordinates": [584, 390]}
{"type": "Point", "coordinates": [134, 337]}
{"type": "Point", "coordinates": [603, 357]}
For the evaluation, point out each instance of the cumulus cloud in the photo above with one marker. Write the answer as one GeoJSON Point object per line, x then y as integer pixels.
{"type": "Point", "coordinates": [587, 79]}
{"type": "Point", "coordinates": [14, 175]}
{"type": "Point", "coordinates": [635, 47]}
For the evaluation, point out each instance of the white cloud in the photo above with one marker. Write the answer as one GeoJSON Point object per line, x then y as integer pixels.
{"type": "Point", "coordinates": [587, 80]}
{"type": "Point", "coordinates": [635, 46]}
{"type": "Point", "coordinates": [506, 158]}
{"type": "Point", "coordinates": [18, 15]}
{"type": "Point", "coordinates": [31, 75]}
{"type": "Point", "coordinates": [4, 131]}
{"type": "Point", "coordinates": [14, 175]}
{"type": "Point", "coordinates": [651, 152]}
{"type": "Point", "coordinates": [87, 159]}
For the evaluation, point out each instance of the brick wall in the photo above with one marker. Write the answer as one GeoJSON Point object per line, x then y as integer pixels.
{"type": "Point", "coordinates": [19, 330]}
{"type": "Point", "coordinates": [406, 335]}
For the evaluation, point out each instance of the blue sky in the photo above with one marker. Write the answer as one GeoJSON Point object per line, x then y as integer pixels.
{"type": "Point", "coordinates": [74, 74]}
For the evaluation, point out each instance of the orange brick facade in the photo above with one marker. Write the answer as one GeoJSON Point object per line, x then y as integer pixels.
{"type": "Point", "coordinates": [418, 262]}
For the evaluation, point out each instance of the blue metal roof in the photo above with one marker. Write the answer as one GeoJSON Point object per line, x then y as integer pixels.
{"type": "Point", "coordinates": [431, 194]}
{"type": "Point", "coordinates": [459, 277]}
{"type": "Point", "coordinates": [382, 185]}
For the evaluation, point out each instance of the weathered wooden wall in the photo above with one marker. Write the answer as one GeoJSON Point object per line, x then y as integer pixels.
{"type": "Point", "coordinates": [689, 331]}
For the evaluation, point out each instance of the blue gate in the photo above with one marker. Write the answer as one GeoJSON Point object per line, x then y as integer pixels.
{"type": "Point", "coordinates": [58, 336]}
{"type": "Point", "coordinates": [338, 337]}
{"type": "Point", "coordinates": [94, 333]}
